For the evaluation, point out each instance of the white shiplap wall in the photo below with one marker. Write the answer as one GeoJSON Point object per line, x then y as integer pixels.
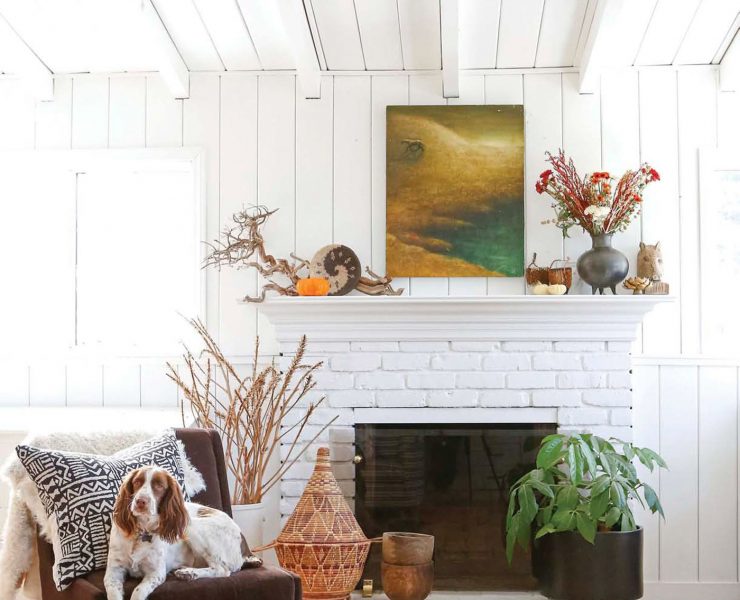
{"type": "Point", "coordinates": [322, 162]}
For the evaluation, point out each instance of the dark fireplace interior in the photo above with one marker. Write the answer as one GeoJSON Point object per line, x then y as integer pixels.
{"type": "Point", "coordinates": [450, 481]}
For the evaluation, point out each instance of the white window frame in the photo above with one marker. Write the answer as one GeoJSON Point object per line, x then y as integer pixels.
{"type": "Point", "coordinates": [82, 161]}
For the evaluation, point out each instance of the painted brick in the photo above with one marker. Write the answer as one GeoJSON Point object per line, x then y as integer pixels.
{"type": "Point", "coordinates": [443, 398]}
{"type": "Point", "coordinates": [326, 380]}
{"type": "Point", "coordinates": [355, 362]}
{"type": "Point", "coordinates": [583, 416]}
{"type": "Point", "coordinates": [474, 346]}
{"type": "Point", "coordinates": [404, 361]}
{"type": "Point", "coordinates": [556, 398]}
{"type": "Point", "coordinates": [378, 380]}
{"type": "Point", "coordinates": [339, 452]}
{"type": "Point", "coordinates": [480, 380]}
{"type": "Point", "coordinates": [422, 346]}
{"type": "Point", "coordinates": [401, 399]}
{"type": "Point", "coordinates": [581, 379]}
{"type": "Point", "coordinates": [527, 346]}
{"type": "Point", "coordinates": [556, 361]}
{"type": "Point", "coordinates": [619, 346]}
{"type": "Point", "coordinates": [430, 381]}
{"type": "Point", "coordinates": [302, 470]}
{"type": "Point", "coordinates": [533, 380]}
{"type": "Point", "coordinates": [620, 379]}
{"type": "Point", "coordinates": [506, 361]}
{"type": "Point", "coordinates": [504, 398]}
{"type": "Point", "coordinates": [320, 416]}
{"type": "Point", "coordinates": [369, 346]}
{"type": "Point", "coordinates": [350, 399]}
{"type": "Point", "coordinates": [456, 362]}
{"type": "Point", "coordinates": [608, 397]}
{"type": "Point", "coordinates": [571, 346]}
{"type": "Point", "coordinates": [620, 416]}
{"type": "Point", "coordinates": [604, 431]}
{"type": "Point", "coordinates": [341, 434]}
{"type": "Point", "coordinates": [321, 347]}
{"type": "Point", "coordinates": [607, 362]}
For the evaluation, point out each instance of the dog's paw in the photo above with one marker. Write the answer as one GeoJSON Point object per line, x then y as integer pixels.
{"type": "Point", "coordinates": [185, 574]}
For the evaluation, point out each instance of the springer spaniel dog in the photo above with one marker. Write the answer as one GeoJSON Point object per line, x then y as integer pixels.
{"type": "Point", "coordinates": [156, 532]}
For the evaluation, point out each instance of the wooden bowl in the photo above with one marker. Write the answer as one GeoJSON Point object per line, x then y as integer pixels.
{"type": "Point", "coordinates": [403, 548]}
{"type": "Point", "coordinates": [407, 582]}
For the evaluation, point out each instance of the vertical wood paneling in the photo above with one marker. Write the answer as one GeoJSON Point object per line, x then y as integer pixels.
{"type": "Point", "coordinates": [478, 38]}
{"type": "Point", "coordinates": [84, 384]}
{"type": "Point", "coordinates": [127, 118]}
{"type": "Point", "coordinates": [276, 167]}
{"type": "Point", "coordinates": [505, 89]}
{"type": "Point", "coordinates": [718, 483]}
{"type": "Point", "coordinates": [728, 117]}
{"type": "Point", "coordinates": [14, 390]}
{"type": "Point", "coordinates": [472, 91]}
{"type": "Point", "coordinates": [424, 90]}
{"type": "Point", "coordinates": [380, 34]}
{"type": "Point", "coordinates": [645, 421]}
{"type": "Point", "coordinates": [620, 142]}
{"type": "Point", "coordinates": [679, 446]}
{"type": "Point", "coordinates": [47, 384]}
{"type": "Point", "coordinates": [387, 91]}
{"type": "Point", "coordinates": [314, 167]}
{"type": "Point", "coordinates": [157, 390]}
{"type": "Point", "coordinates": [352, 194]}
{"type": "Point", "coordinates": [518, 32]}
{"type": "Point", "coordinates": [340, 34]}
{"type": "Point", "coordinates": [17, 118]}
{"type": "Point", "coordinates": [201, 128]}
{"type": "Point", "coordinates": [163, 115]}
{"type": "Point", "coordinates": [660, 211]}
{"type": "Point", "coordinates": [238, 189]}
{"type": "Point", "coordinates": [559, 32]}
{"type": "Point", "coordinates": [543, 128]}
{"type": "Point", "coordinates": [54, 119]}
{"type": "Point", "coordinates": [420, 34]}
{"type": "Point", "coordinates": [582, 142]}
{"type": "Point", "coordinates": [89, 112]}
{"type": "Point", "coordinates": [697, 127]}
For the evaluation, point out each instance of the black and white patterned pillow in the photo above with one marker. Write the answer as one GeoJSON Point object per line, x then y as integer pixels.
{"type": "Point", "coordinates": [79, 490]}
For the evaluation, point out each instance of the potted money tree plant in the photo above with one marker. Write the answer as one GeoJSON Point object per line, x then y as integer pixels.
{"type": "Point", "coordinates": [575, 506]}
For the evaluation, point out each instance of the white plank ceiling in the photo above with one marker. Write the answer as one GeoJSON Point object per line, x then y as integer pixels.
{"type": "Point", "coordinates": [74, 36]}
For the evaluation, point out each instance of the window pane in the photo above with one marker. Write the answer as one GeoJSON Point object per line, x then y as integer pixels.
{"type": "Point", "coordinates": [138, 253]}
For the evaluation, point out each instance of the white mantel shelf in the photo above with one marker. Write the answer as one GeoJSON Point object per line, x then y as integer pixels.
{"type": "Point", "coordinates": [351, 318]}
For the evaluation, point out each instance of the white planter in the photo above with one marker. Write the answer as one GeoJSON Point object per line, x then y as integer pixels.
{"type": "Point", "coordinates": [251, 520]}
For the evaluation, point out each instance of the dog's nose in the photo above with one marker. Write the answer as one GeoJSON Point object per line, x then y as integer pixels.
{"type": "Point", "coordinates": [142, 503]}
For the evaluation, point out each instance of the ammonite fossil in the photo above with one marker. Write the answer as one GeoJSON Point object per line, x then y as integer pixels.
{"type": "Point", "coordinates": [339, 265]}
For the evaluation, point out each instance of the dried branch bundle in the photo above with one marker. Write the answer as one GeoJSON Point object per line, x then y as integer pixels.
{"type": "Point", "coordinates": [250, 412]}
{"type": "Point", "coordinates": [243, 246]}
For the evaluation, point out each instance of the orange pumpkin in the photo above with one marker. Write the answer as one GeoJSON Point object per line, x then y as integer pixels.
{"type": "Point", "coordinates": [312, 286]}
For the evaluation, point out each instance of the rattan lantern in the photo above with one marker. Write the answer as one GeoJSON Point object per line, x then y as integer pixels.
{"type": "Point", "coordinates": [322, 541]}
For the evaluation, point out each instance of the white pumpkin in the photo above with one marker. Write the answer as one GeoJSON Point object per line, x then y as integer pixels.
{"type": "Point", "coordinates": [540, 289]}
{"type": "Point", "coordinates": [556, 289]}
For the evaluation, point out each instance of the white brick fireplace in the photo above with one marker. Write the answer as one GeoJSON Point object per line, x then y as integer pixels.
{"type": "Point", "coordinates": [515, 359]}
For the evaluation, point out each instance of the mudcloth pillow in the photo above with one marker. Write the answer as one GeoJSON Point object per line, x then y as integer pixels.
{"type": "Point", "coordinates": [79, 490]}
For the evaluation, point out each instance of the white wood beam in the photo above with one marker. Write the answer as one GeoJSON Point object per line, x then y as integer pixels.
{"type": "Point", "coordinates": [450, 29]}
{"type": "Point", "coordinates": [729, 68]}
{"type": "Point", "coordinates": [171, 66]}
{"type": "Point", "coordinates": [295, 22]}
{"type": "Point", "coordinates": [595, 54]}
{"type": "Point", "coordinates": [20, 60]}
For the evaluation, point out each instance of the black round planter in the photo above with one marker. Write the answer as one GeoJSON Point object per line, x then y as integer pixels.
{"type": "Point", "coordinates": [567, 567]}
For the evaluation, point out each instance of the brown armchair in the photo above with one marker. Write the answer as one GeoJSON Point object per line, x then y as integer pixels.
{"type": "Point", "coordinates": [264, 583]}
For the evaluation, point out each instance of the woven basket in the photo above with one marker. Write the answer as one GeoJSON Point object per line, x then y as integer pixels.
{"type": "Point", "coordinates": [322, 541]}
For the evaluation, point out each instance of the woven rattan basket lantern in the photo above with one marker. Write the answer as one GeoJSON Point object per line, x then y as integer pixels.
{"type": "Point", "coordinates": [322, 540]}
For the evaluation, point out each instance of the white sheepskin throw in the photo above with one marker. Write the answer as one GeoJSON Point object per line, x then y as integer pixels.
{"type": "Point", "coordinates": [18, 549]}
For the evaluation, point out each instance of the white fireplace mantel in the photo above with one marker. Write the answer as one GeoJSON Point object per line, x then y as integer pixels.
{"type": "Point", "coordinates": [349, 318]}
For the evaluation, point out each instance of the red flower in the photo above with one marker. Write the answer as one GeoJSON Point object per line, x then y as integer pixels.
{"type": "Point", "coordinates": [654, 176]}
{"type": "Point", "coordinates": [542, 182]}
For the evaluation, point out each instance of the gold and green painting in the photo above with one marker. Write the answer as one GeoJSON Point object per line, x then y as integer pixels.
{"type": "Point", "coordinates": [455, 191]}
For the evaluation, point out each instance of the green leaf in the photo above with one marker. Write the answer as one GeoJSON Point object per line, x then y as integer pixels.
{"type": "Point", "coordinates": [617, 495]}
{"type": "Point", "coordinates": [542, 488]}
{"type": "Point", "coordinates": [655, 456]}
{"type": "Point", "coordinates": [626, 524]}
{"type": "Point", "coordinates": [512, 507]}
{"type": "Point", "coordinates": [599, 504]}
{"type": "Point", "coordinates": [588, 455]}
{"type": "Point", "coordinates": [628, 451]}
{"type": "Point", "coordinates": [564, 520]}
{"type": "Point", "coordinates": [523, 534]}
{"type": "Point", "coordinates": [528, 503]}
{"type": "Point", "coordinates": [644, 459]}
{"type": "Point", "coordinates": [511, 535]}
{"type": "Point", "coordinates": [550, 453]}
{"type": "Point", "coordinates": [612, 516]}
{"type": "Point", "coordinates": [652, 499]}
{"type": "Point", "coordinates": [600, 485]}
{"type": "Point", "coordinates": [586, 527]}
{"type": "Point", "coordinates": [544, 530]}
{"type": "Point", "coordinates": [567, 498]}
{"type": "Point", "coordinates": [575, 461]}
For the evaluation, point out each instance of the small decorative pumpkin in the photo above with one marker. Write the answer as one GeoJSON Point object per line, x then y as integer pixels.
{"type": "Point", "coordinates": [556, 289]}
{"type": "Point", "coordinates": [313, 286]}
{"type": "Point", "coordinates": [540, 289]}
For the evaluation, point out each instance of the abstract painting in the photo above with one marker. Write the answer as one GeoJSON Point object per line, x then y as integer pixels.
{"type": "Point", "coordinates": [455, 191]}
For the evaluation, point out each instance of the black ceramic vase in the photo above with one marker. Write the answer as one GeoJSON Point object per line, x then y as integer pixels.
{"type": "Point", "coordinates": [602, 266]}
{"type": "Point", "coordinates": [567, 567]}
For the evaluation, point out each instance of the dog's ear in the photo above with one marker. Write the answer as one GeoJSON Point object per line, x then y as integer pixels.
{"type": "Point", "coordinates": [173, 516]}
{"type": "Point", "coordinates": [122, 515]}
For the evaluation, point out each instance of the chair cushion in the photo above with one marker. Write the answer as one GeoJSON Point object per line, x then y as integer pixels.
{"type": "Point", "coordinates": [79, 490]}
{"type": "Point", "coordinates": [262, 583]}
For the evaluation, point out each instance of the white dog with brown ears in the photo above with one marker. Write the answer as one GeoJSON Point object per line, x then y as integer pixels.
{"type": "Point", "coordinates": [156, 532]}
